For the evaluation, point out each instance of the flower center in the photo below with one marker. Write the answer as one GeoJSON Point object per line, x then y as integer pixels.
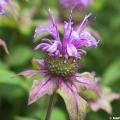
{"type": "Point", "coordinates": [60, 67]}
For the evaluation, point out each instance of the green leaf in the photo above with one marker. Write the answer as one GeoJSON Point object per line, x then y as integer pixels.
{"type": "Point", "coordinates": [24, 118]}
{"type": "Point", "coordinates": [9, 22]}
{"type": "Point", "coordinates": [112, 73]}
{"type": "Point", "coordinates": [57, 112]}
{"type": "Point", "coordinates": [8, 77]}
{"type": "Point", "coordinates": [25, 26]}
{"type": "Point", "coordinates": [3, 65]}
{"type": "Point", "coordinates": [38, 55]}
{"type": "Point", "coordinates": [9, 81]}
{"type": "Point", "coordinates": [97, 5]}
{"type": "Point", "coordinates": [20, 56]}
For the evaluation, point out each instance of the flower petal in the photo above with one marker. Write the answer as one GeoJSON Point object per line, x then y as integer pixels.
{"type": "Point", "coordinates": [88, 40]}
{"type": "Point", "coordinates": [29, 72]}
{"type": "Point", "coordinates": [51, 29]}
{"type": "Point", "coordinates": [101, 105]}
{"type": "Point", "coordinates": [56, 32]}
{"type": "Point", "coordinates": [83, 24]}
{"type": "Point", "coordinates": [71, 50]}
{"type": "Point", "coordinates": [112, 96]}
{"type": "Point", "coordinates": [3, 44]}
{"type": "Point", "coordinates": [87, 80]}
{"type": "Point", "coordinates": [82, 52]}
{"type": "Point", "coordinates": [85, 2]}
{"type": "Point", "coordinates": [40, 88]}
{"type": "Point", "coordinates": [68, 30]}
{"type": "Point", "coordinates": [53, 47]}
{"type": "Point", "coordinates": [104, 102]}
{"type": "Point", "coordinates": [70, 98]}
{"type": "Point", "coordinates": [40, 62]}
{"type": "Point", "coordinates": [78, 3]}
{"type": "Point", "coordinates": [85, 39]}
{"type": "Point", "coordinates": [41, 45]}
{"type": "Point", "coordinates": [45, 40]}
{"type": "Point", "coordinates": [1, 10]}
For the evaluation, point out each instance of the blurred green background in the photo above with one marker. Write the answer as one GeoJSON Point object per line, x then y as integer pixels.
{"type": "Point", "coordinates": [18, 35]}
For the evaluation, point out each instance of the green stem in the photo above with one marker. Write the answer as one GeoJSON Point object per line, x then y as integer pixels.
{"type": "Point", "coordinates": [50, 104]}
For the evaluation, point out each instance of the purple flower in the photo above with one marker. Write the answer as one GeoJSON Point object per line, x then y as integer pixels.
{"type": "Point", "coordinates": [60, 66]}
{"type": "Point", "coordinates": [102, 101]}
{"type": "Point", "coordinates": [78, 3]}
{"type": "Point", "coordinates": [2, 4]}
{"type": "Point", "coordinates": [1, 10]}
{"type": "Point", "coordinates": [73, 39]}
{"type": "Point", "coordinates": [61, 76]}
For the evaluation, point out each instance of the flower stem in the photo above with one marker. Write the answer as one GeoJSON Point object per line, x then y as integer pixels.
{"type": "Point", "coordinates": [50, 104]}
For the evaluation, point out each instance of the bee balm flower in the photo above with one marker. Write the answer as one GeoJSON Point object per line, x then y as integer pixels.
{"type": "Point", "coordinates": [72, 42]}
{"type": "Point", "coordinates": [60, 65]}
{"type": "Point", "coordinates": [103, 100]}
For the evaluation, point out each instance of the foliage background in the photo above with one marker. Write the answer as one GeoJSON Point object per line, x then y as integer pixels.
{"type": "Point", "coordinates": [105, 60]}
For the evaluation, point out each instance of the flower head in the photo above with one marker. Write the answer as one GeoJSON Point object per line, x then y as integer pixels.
{"type": "Point", "coordinates": [60, 66]}
{"type": "Point", "coordinates": [72, 42]}
{"type": "Point", "coordinates": [78, 3]}
{"type": "Point", "coordinates": [62, 77]}
{"type": "Point", "coordinates": [103, 100]}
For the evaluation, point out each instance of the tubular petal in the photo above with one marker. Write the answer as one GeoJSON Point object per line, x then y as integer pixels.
{"type": "Point", "coordinates": [71, 50]}
{"type": "Point", "coordinates": [53, 47]}
{"type": "Point", "coordinates": [29, 72]}
{"type": "Point", "coordinates": [88, 80]}
{"type": "Point", "coordinates": [83, 24]}
{"type": "Point", "coordinates": [41, 45]}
